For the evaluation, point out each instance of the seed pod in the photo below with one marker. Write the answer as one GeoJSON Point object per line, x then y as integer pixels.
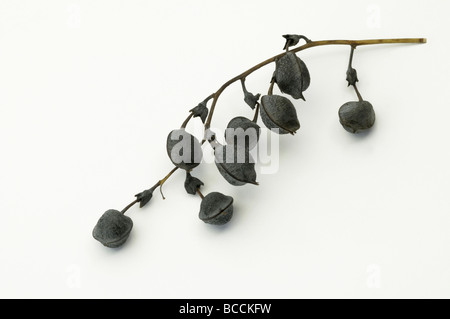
{"type": "Point", "coordinates": [352, 76]}
{"type": "Point", "coordinates": [200, 111]}
{"type": "Point", "coordinates": [113, 228]}
{"type": "Point", "coordinates": [184, 149]}
{"type": "Point", "coordinates": [249, 97]}
{"type": "Point", "coordinates": [192, 184]}
{"type": "Point", "coordinates": [292, 75]}
{"type": "Point", "coordinates": [278, 112]}
{"type": "Point", "coordinates": [243, 132]}
{"type": "Point", "coordinates": [293, 39]}
{"type": "Point", "coordinates": [235, 164]}
{"type": "Point", "coordinates": [216, 208]}
{"type": "Point", "coordinates": [356, 116]}
{"type": "Point", "coordinates": [144, 197]}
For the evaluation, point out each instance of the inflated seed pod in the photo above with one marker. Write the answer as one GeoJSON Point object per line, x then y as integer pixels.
{"type": "Point", "coordinates": [278, 112]}
{"type": "Point", "coordinates": [235, 164]}
{"type": "Point", "coordinates": [243, 132]}
{"type": "Point", "coordinates": [356, 116]}
{"type": "Point", "coordinates": [292, 75]}
{"type": "Point", "coordinates": [113, 228]}
{"type": "Point", "coordinates": [184, 149]}
{"type": "Point", "coordinates": [216, 208]}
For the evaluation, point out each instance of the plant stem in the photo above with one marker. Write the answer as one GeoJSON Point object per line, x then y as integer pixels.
{"type": "Point", "coordinates": [270, 91]}
{"type": "Point", "coordinates": [161, 182]}
{"type": "Point", "coordinates": [255, 118]}
{"type": "Point", "coordinates": [200, 193]}
{"type": "Point", "coordinates": [357, 93]}
{"type": "Point", "coordinates": [186, 121]}
{"type": "Point", "coordinates": [243, 86]}
{"type": "Point", "coordinates": [311, 44]}
{"type": "Point", "coordinates": [350, 60]}
{"type": "Point", "coordinates": [242, 76]}
{"type": "Point", "coordinates": [129, 206]}
{"type": "Point", "coordinates": [158, 184]}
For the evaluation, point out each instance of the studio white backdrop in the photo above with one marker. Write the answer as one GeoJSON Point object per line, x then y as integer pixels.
{"type": "Point", "coordinates": [90, 89]}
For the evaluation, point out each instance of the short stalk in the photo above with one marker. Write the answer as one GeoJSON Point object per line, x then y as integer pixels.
{"type": "Point", "coordinates": [357, 93]}
{"type": "Point", "coordinates": [200, 193]}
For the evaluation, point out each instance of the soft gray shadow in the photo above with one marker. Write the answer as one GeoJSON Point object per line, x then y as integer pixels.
{"type": "Point", "coordinates": [219, 229]}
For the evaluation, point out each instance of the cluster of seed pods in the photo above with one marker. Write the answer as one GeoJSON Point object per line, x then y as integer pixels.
{"type": "Point", "coordinates": [233, 159]}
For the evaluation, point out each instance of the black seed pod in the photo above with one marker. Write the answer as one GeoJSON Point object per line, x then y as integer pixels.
{"type": "Point", "coordinates": [145, 196]}
{"type": "Point", "coordinates": [291, 40]}
{"type": "Point", "coordinates": [352, 76]}
{"type": "Point", "coordinates": [192, 184]}
{"type": "Point", "coordinates": [216, 208]}
{"type": "Point", "coordinates": [113, 228]}
{"type": "Point", "coordinates": [243, 132]}
{"type": "Point", "coordinates": [235, 164]}
{"type": "Point", "coordinates": [200, 111]}
{"type": "Point", "coordinates": [251, 99]}
{"type": "Point", "coordinates": [184, 149]}
{"type": "Point", "coordinates": [357, 116]}
{"type": "Point", "coordinates": [278, 112]}
{"type": "Point", "coordinates": [292, 75]}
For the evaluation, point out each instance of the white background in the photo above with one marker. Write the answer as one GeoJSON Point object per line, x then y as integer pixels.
{"type": "Point", "coordinates": [90, 89]}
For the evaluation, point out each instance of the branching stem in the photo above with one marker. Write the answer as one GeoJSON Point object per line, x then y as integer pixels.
{"type": "Point", "coordinates": [311, 44]}
{"type": "Point", "coordinates": [158, 184]}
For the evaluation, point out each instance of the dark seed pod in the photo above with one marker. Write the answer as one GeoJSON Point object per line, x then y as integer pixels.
{"type": "Point", "coordinates": [113, 228]}
{"type": "Point", "coordinates": [249, 97]}
{"type": "Point", "coordinates": [278, 112]}
{"type": "Point", "coordinates": [292, 75]}
{"type": "Point", "coordinates": [184, 149]}
{"type": "Point", "coordinates": [200, 111]}
{"type": "Point", "coordinates": [357, 116]}
{"type": "Point", "coordinates": [352, 76]}
{"type": "Point", "coordinates": [144, 197]}
{"type": "Point", "coordinates": [243, 132]}
{"type": "Point", "coordinates": [216, 209]}
{"type": "Point", "coordinates": [293, 39]}
{"type": "Point", "coordinates": [235, 164]}
{"type": "Point", "coordinates": [192, 184]}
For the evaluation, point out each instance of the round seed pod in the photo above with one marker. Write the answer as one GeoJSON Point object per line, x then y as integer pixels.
{"type": "Point", "coordinates": [243, 132]}
{"type": "Point", "coordinates": [356, 116]}
{"type": "Point", "coordinates": [235, 164]}
{"type": "Point", "coordinates": [278, 112]}
{"type": "Point", "coordinates": [184, 149]}
{"type": "Point", "coordinates": [216, 209]}
{"type": "Point", "coordinates": [113, 228]}
{"type": "Point", "coordinates": [292, 75]}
